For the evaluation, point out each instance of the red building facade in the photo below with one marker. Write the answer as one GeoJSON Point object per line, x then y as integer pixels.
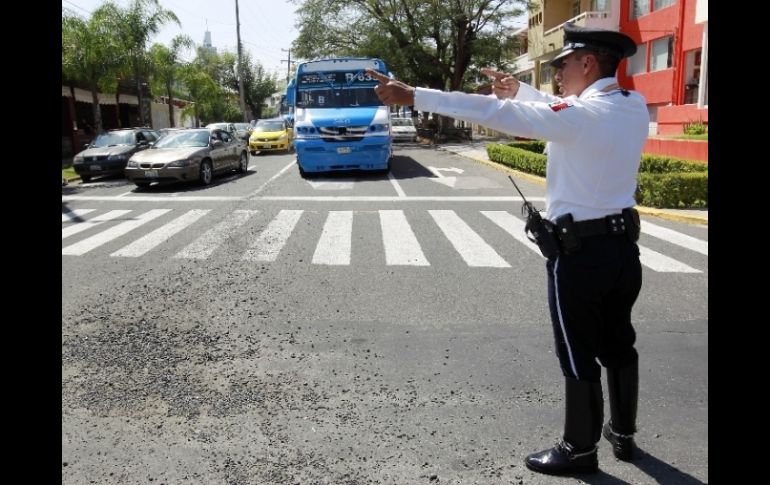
{"type": "Point", "coordinates": [670, 66]}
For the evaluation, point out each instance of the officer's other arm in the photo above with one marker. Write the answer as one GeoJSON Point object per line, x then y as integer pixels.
{"type": "Point", "coordinates": [529, 119]}
{"type": "Point", "coordinates": [506, 86]}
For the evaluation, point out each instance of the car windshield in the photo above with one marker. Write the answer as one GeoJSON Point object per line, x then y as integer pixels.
{"type": "Point", "coordinates": [402, 122]}
{"type": "Point", "coordinates": [113, 138]}
{"type": "Point", "coordinates": [266, 126]}
{"type": "Point", "coordinates": [183, 139]}
{"type": "Point", "coordinates": [337, 98]}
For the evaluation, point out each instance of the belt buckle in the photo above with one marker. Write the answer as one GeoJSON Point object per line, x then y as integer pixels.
{"type": "Point", "coordinates": [615, 224]}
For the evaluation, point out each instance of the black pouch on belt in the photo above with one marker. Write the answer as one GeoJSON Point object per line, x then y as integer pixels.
{"type": "Point", "coordinates": [541, 232]}
{"type": "Point", "coordinates": [568, 234]}
{"type": "Point", "coordinates": [632, 223]}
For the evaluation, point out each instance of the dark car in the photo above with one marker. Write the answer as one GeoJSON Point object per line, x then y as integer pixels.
{"type": "Point", "coordinates": [192, 154]}
{"type": "Point", "coordinates": [109, 152]}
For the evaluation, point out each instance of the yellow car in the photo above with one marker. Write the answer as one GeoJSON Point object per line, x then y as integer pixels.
{"type": "Point", "coordinates": [271, 135]}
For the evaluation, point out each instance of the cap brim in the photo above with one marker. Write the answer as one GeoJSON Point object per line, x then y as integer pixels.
{"type": "Point", "coordinates": [556, 61]}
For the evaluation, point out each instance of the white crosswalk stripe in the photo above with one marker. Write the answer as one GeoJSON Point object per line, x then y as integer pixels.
{"type": "Point", "coordinates": [84, 226]}
{"type": "Point", "coordinates": [82, 247]}
{"type": "Point", "coordinates": [72, 215]}
{"type": "Point", "coordinates": [663, 264]}
{"type": "Point", "coordinates": [334, 246]}
{"type": "Point", "coordinates": [160, 235]}
{"type": "Point", "coordinates": [675, 237]}
{"type": "Point", "coordinates": [274, 237]}
{"type": "Point", "coordinates": [401, 246]}
{"type": "Point", "coordinates": [471, 247]}
{"type": "Point", "coordinates": [513, 226]}
{"type": "Point", "coordinates": [204, 246]}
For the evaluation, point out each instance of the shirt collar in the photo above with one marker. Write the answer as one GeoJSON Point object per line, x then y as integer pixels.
{"type": "Point", "coordinates": [597, 87]}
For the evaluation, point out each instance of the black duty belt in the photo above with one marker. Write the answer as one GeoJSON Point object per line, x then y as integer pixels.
{"type": "Point", "coordinates": [612, 224]}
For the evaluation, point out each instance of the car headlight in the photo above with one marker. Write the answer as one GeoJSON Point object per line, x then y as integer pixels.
{"type": "Point", "coordinates": [283, 137]}
{"type": "Point", "coordinates": [132, 164]}
{"type": "Point", "coordinates": [77, 160]}
{"type": "Point", "coordinates": [181, 163]}
{"type": "Point", "coordinates": [116, 157]}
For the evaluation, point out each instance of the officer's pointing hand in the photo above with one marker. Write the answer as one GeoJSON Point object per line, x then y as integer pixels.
{"type": "Point", "coordinates": [391, 91]}
{"type": "Point", "coordinates": [503, 85]}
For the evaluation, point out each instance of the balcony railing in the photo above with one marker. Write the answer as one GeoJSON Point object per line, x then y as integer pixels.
{"type": "Point", "coordinates": [553, 39]}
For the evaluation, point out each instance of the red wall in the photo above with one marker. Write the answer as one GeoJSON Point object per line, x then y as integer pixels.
{"type": "Point", "coordinates": [690, 149]}
{"type": "Point", "coordinates": [667, 85]}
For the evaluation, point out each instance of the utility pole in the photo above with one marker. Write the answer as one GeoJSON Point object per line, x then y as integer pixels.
{"type": "Point", "coordinates": [240, 63]}
{"type": "Point", "coordinates": [288, 67]}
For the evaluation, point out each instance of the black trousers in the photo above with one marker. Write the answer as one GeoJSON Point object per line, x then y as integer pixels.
{"type": "Point", "coordinates": [590, 295]}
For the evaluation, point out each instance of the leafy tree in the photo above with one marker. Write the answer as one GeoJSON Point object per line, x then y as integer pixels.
{"type": "Point", "coordinates": [91, 53]}
{"type": "Point", "coordinates": [257, 84]}
{"type": "Point", "coordinates": [165, 68]}
{"type": "Point", "coordinates": [429, 44]}
{"type": "Point", "coordinates": [135, 25]}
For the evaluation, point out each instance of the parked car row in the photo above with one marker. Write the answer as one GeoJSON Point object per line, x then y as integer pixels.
{"type": "Point", "coordinates": [184, 154]}
{"type": "Point", "coordinates": [145, 156]}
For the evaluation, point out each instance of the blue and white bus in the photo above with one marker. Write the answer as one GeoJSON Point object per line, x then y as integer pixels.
{"type": "Point", "coordinates": [339, 122]}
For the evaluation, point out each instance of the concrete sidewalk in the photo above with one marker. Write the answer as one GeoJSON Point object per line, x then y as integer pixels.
{"type": "Point", "coordinates": [477, 150]}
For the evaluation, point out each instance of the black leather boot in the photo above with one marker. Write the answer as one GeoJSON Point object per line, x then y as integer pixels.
{"type": "Point", "coordinates": [576, 452]}
{"type": "Point", "coordinates": [623, 388]}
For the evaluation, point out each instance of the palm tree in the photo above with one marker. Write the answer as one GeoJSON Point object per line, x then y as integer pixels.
{"type": "Point", "coordinates": [91, 54]}
{"type": "Point", "coordinates": [165, 67]}
{"type": "Point", "coordinates": [135, 25]}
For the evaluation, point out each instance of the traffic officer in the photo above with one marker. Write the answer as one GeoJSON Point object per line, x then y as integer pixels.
{"type": "Point", "coordinates": [595, 132]}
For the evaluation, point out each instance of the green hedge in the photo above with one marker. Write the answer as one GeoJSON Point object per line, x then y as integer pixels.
{"type": "Point", "coordinates": [536, 146]}
{"type": "Point", "coordinates": [661, 182]}
{"type": "Point", "coordinates": [517, 158]}
{"type": "Point", "coordinates": [679, 190]}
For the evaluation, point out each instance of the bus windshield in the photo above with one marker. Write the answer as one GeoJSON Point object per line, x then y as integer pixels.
{"type": "Point", "coordinates": [337, 97]}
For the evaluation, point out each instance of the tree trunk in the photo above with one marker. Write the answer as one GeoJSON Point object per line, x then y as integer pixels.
{"type": "Point", "coordinates": [96, 108]}
{"type": "Point", "coordinates": [139, 94]}
{"type": "Point", "coordinates": [117, 107]}
{"type": "Point", "coordinates": [170, 105]}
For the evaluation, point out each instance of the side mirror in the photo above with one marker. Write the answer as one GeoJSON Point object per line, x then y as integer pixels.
{"type": "Point", "coordinates": [85, 146]}
{"type": "Point", "coordinates": [216, 143]}
{"type": "Point", "coordinates": [143, 143]}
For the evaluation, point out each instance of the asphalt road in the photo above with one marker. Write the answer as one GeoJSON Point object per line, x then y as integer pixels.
{"type": "Point", "coordinates": [351, 329]}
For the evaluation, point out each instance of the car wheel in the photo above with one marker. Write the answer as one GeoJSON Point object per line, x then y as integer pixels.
{"type": "Point", "coordinates": [85, 178]}
{"type": "Point", "coordinates": [243, 165]}
{"type": "Point", "coordinates": [205, 173]}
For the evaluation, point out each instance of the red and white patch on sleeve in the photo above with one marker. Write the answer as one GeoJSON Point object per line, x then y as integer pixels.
{"type": "Point", "coordinates": [559, 105]}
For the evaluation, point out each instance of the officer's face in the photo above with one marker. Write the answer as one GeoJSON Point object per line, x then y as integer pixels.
{"type": "Point", "coordinates": [570, 76]}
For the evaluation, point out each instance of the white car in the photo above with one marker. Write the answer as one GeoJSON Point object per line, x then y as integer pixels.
{"type": "Point", "coordinates": [403, 129]}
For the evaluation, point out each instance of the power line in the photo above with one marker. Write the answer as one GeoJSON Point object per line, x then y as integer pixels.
{"type": "Point", "coordinates": [77, 6]}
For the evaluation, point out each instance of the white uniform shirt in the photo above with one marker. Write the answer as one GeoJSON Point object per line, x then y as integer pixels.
{"type": "Point", "coordinates": [596, 140]}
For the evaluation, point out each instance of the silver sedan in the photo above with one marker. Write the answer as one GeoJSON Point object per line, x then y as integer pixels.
{"type": "Point", "coordinates": [195, 154]}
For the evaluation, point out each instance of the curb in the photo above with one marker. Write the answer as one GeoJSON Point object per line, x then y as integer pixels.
{"type": "Point", "coordinates": [649, 211]}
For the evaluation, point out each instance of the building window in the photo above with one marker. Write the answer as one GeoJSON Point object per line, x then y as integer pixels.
{"type": "Point", "coordinates": [661, 54]}
{"type": "Point", "coordinates": [663, 3]}
{"type": "Point", "coordinates": [639, 8]}
{"type": "Point", "coordinates": [599, 6]}
{"type": "Point", "coordinates": [546, 73]}
{"type": "Point", "coordinates": [525, 78]}
{"type": "Point", "coordinates": [637, 63]}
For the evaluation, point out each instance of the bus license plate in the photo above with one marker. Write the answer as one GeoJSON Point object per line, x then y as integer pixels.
{"type": "Point", "coordinates": [151, 174]}
{"type": "Point", "coordinates": [343, 150]}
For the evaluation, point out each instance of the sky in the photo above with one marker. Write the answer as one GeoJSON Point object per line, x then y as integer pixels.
{"type": "Point", "coordinates": [267, 27]}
